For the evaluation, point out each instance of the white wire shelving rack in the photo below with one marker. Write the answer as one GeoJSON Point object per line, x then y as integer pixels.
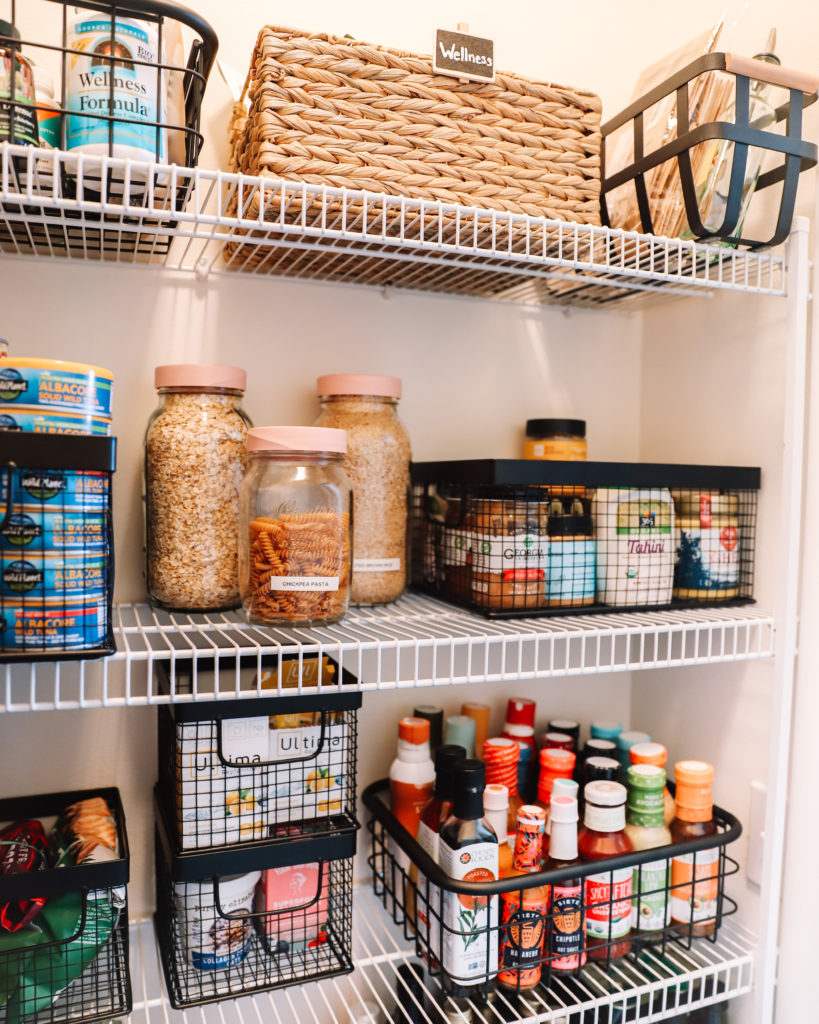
{"type": "Point", "coordinates": [418, 641]}
{"type": "Point", "coordinates": [75, 207]}
{"type": "Point", "coordinates": [659, 988]}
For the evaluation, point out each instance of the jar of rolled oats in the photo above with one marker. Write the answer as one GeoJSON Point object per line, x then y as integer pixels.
{"type": "Point", "coordinates": [195, 459]}
{"type": "Point", "coordinates": [377, 462]}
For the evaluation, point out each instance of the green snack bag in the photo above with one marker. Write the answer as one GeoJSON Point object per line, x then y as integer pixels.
{"type": "Point", "coordinates": [13, 952]}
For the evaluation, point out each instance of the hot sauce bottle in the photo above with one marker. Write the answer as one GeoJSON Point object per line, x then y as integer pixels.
{"type": "Point", "coordinates": [607, 895]}
{"type": "Point", "coordinates": [566, 937]}
{"type": "Point", "coordinates": [694, 907]}
{"type": "Point", "coordinates": [523, 911]}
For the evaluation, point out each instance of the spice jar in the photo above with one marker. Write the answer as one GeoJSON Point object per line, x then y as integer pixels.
{"type": "Point", "coordinates": [707, 567]}
{"type": "Point", "coordinates": [509, 552]}
{"type": "Point", "coordinates": [18, 122]}
{"type": "Point", "coordinates": [195, 459]}
{"type": "Point", "coordinates": [296, 537]}
{"type": "Point", "coordinates": [564, 440]}
{"type": "Point", "coordinates": [570, 574]}
{"type": "Point", "coordinates": [377, 463]}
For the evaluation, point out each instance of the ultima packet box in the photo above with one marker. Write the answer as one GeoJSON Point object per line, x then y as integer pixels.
{"type": "Point", "coordinates": [272, 770]}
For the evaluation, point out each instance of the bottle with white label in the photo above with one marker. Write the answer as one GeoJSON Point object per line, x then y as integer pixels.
{"type": "Point", "coordinates": [607, 896]}
{"type": "Point", "coordinates": [294, 526]}
{"type": "Point", "coordinates": [377, 462]}
{"type": "Point", "coordinates": [468, 851]}
{"type": "Point", "coordinates": [412, 777]}
{"type": "Point", "coordinates": [647, 830]}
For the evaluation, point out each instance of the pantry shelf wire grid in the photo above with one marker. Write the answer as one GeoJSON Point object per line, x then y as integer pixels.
{"type": "Point", "coordinates": [683, 980]}
{"type": "Point", "coordinates": [417, 641]}
{"type": "Point", "coordinates": [270, 227]}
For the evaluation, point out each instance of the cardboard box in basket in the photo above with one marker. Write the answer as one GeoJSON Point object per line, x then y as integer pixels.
{"type": "Point", "coordinates": [342, 113]}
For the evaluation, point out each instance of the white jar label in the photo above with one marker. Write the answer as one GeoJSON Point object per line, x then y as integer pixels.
{"type": "Point", "coordinates": [302, 583]}
{"type": "Point", "coordinates": [651, 909]}
{"type": "Point", "coordinates": [605, 819]}
{"type": "Point", "coordinates": [608, 904]}
{"type": "Point", "coordinates": [457, 547]}
{"type": "Point", "coordinates": [376, 565]}
{"type": "Point", "coordinates": [517, 554]}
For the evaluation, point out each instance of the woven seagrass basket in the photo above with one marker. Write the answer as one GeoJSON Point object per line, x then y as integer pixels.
{"type": "Point", "coordinates": [341, 113]}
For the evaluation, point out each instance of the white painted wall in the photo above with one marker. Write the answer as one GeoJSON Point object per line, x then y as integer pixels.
{"type": "Point", "coordinates": [692, 381]}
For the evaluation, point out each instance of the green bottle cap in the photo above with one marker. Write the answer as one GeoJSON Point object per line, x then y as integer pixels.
{"type": "Point", "coordinates": [646, 785]}
{"type": "Point", "coordinates": [460, 730]}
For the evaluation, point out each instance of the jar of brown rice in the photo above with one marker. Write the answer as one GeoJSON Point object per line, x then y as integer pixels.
{"type": "Point", "coordinates": [377, 462]}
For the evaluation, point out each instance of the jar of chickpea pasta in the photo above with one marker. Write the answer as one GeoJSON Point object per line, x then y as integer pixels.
{"type": "Point", "coordinates": [295, 530]}
{"type": "Point", "coordinates": [377, 461]}
{"type": "Point", "coordinates": [195, 459]}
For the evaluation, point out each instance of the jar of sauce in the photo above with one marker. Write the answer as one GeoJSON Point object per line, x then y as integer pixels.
{"type": "Point", "coordinates": [694, 876]}
{"type": "Point", "coordinates": [558, 439]}
{"type": "Point", "coordinates": [509, 553]}
{"type": "Point", "coordinates": [707, 566]}
{"type": "Point", "coordinates": [607, 896]}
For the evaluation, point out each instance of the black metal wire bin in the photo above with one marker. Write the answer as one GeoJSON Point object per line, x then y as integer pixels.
{"type": "Point", "coordinates": [261, 770]}
{"type": "Point", "coordinates": [515, 944]}
{"type": "Point", "coordinates": [518, 537]}
{"type": "Point", "coordinates": [253, 917]}
{"type": "Point", "coordinates": [109, 95]}
{"type": "Point", "coordinates": [70, 963]}
{"type": "Point", "coordinates": [56, 546]}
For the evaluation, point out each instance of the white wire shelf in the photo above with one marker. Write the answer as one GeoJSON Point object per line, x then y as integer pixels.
{"type": "Point", "coordinates": [659, 988]}
{"type": "Point", "coordinates": [61, 205]}
{"type": "Point", "coordinates": [418, 641]}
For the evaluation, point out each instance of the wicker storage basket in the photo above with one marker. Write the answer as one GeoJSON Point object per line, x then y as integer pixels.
{"type": "Point", "coordinates": [337, 112]}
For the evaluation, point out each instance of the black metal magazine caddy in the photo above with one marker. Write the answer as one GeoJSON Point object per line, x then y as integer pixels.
{"type": "Point", "coordinates": [253, 950]}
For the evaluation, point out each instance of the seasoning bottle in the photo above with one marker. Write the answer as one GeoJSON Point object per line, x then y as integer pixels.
{"type": "Point", "coordinates": [195, 458]}
{"type": "Point", "coordinates": [604, 730]}
{"type": "Point", "coordinates": [595, 748]}
{"type": "Point", "coordinates": [460, 729]}
{"type": "Point", "coordinates": [601, 769]}
{"type": "Point", "coordinates": [560, 439]}
{"type": "Point", "coordinates": [520, 720]}
{"type": "Point", "coordinates": [567, 726]}
{"type": "Point", "coordinates": [554, 764]}
{"type": "Point", "coordinates": [480, 712]}
{"type": "Point", "coordinates": [656, 754]}
{"type": "Point", "coordinates": [436, 812]}
{"type": "Point", "coordinates": [412, 778]}
{"type": "Point", "coordinates": [496, 809]}
{"type": "Point", "coordinates": [607, 895]}
{"type": "Point", "coordinates": [707, 567]}
{"type": "Point", "coordinates": [468, 851]}
{"type": "Point", "coordinates": [625, 741]}
{"type": "Point", "coordinates": [18, 118]}
{"type": "Point", "coordinates": [523, 911]}
{"type": "Point", "coordinates": [694, 906]}
{"type": "Point", "coordinates": [572, 554]}
{"type": "Point", "coordinates": [646, 828]}
{"type": "Point", "coordinates": [567, 941]}
{"type": "Point", "coordinates": [377, 462]}
{"type": "Point", "coordinates": [501, 756]}
{"type": "Point", "coordinates": [295, 530]}
{"type": "Point", "coordinates": [435, 716]}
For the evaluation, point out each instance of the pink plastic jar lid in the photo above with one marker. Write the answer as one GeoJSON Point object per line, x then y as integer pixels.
{"type": "Point", "coordinates": [296, 439]}
{"type": "Point", "coordinates": [358, 384]}
{"type": "Point", "coordinates": [198, 375]}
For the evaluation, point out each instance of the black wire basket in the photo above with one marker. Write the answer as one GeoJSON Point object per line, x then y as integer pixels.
{"type": "Point", "coordinates": [514, 538]}
{"type": "Point", "coordinates": [127, 103]}
{"type": "Point", "coordinates": [514, 946]}
{"type": "Point", "coordinates": [71, 963]}
{"type": "Point", "coordinates": [262, 770]}
{"type": "Point", "coordinates": [743, 140]}
{"type": "Point", "coordinates": [56, 546]}
{"type": "Point", "coordinates": [218, 936]}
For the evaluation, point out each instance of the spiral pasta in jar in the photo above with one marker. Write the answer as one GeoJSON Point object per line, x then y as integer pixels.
{"type": "Point", "coordinates": [295, 530]}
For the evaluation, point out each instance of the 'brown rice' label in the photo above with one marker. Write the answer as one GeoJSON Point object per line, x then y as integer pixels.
{"type": "Point", "coordinates": [376, 565]}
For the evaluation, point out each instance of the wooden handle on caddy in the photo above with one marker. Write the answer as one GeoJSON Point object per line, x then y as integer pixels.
{"type": "Point", "coordinates": [773, 74]}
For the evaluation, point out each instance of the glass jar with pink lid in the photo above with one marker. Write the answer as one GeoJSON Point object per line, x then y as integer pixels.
{"type": "Point", "coordinates": [295, 529]}
{"type": "Point", "coordinates": [377, 462]}
{"type": "Point", "coordinates": [195, 459]}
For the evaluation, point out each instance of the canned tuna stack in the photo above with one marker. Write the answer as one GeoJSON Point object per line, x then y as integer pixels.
{"type": "Point", "coordinates": [56, 562]}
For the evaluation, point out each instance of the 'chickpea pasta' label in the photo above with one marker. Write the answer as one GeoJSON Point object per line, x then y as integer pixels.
{"type": "Point", "coordinates": [310, 583]}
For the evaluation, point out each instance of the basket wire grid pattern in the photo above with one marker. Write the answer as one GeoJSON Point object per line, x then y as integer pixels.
{"type": "Point", "coordinates": [100, 992]}
{"type": "Point", "coordinates": [418, 641]}
{"type": "Point", "coordinates": [214, 800]}
{"type": "Point", "coordinates": [256, 945]}
{"type": "Point", "coordinates": [421, 912]}
{"type": "Point", "coordinates": [684, 980]}
{"type": "Point", "coordinates": [508, 550]}
{"type": "Point", "coordinates": [345, 236]}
